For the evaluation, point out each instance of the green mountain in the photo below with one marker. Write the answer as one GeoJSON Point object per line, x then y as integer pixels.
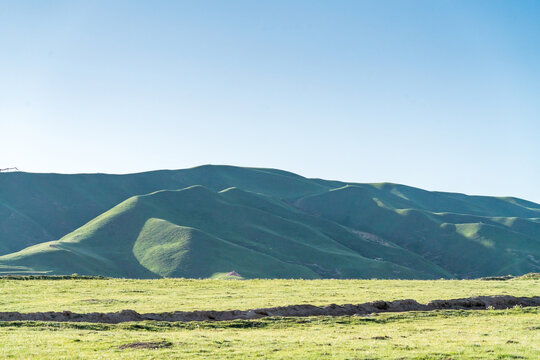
{"type": "Point", "coordinates": [443, 228]}
{"type": "Point", "coordinates": [209, 220]}
{"type": "Point", "coordinates": [35, 208]}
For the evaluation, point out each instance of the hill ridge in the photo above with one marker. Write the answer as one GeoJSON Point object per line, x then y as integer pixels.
{"type": "Point", "coordinates": [277, 213]}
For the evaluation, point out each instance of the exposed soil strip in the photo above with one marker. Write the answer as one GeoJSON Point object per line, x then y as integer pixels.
{"type": "Point", "coordinates": [146, 345]}
{"type": "Point", "coordinates": [474, 303]}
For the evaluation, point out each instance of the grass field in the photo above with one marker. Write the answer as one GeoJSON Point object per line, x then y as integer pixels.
{"type": "Point", "coordinates": [457, 334]}
{"type": "Point", "coordinates": [182, 294]}
{"type": "Point", "coordinates": [501, 334]}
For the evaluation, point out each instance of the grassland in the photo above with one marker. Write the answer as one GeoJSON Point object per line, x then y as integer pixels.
{"type": "Point", "coordinates": [183, 294]}
{"type": "Point", "coordinates": [491, 334]}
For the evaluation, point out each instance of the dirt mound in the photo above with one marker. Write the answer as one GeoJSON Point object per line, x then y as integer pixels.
{"type": "Point", "coordinates": [474, 303]}
{"type": "Point", "coordinates": [381, 337]}
{"type": "Point", "coordinates": [146, 345]}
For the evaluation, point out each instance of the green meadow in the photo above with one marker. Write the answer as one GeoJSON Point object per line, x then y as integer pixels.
{"type": "Point", "coordinates": [450, 334]}
{"type": "Point", "coordinates": [162, 295]}
{"type": "Point", "coordinates": [491, 334]}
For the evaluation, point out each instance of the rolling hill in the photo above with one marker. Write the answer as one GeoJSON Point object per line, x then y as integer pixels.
{"type": "Point", "coordinates": [206, 221]}
{"type": "Point", "coordinates": [35, 208]}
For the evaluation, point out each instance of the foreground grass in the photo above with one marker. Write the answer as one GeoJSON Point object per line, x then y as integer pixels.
{"type": "Point", "coordinates": [492, 334]}
{"type": "Point", "coordinates": [179, 294]}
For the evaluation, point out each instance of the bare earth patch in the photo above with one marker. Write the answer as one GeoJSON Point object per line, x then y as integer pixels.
{"type": "Point", "coordinates": [474, 303]}
{"type": "Point", "coordinates": [146, 345]}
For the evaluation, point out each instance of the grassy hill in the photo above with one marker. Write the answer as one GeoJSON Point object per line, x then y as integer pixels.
{"type": "Point", "coordinates": [465, 244]}
{"type": "Point", "coordinates": [35, 208]}
{"type": "Point", "coordinates": [205, 221]}
{"type": "Point", "coordinates": [196, 232]}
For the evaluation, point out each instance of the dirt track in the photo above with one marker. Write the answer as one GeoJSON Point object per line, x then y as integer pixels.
{"type": "Point", "coordinates": [474, 303]}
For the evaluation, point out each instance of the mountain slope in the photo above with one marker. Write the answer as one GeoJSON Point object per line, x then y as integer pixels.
{"type": "Point", "coordinates": [466, 245]}
{"type": "Point", "coordinates": [196, 232]}
{"type": "Point", "coordinates": [35, 208]}
{"type": "Point", "coordinates": [281, 224]}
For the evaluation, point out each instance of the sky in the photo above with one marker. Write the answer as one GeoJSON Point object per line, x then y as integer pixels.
{"type": "Point", "coordinates": [442, 95]}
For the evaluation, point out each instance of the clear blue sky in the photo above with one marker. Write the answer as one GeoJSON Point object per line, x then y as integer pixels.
{"type": "Point", "coordinates": [443, 95]}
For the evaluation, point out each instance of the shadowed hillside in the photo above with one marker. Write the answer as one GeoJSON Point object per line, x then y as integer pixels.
{"type": "Point", "coordinates": [466, 244]}
{"type": "Point", "coordinates": [196, 232]}
{"type": "Point", "coordinates": [35, 208]}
